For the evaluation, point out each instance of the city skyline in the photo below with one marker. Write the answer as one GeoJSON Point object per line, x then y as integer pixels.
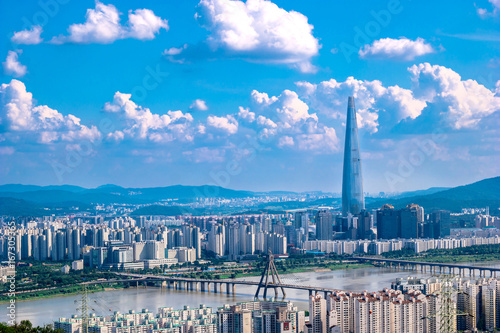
{"type": "Point", "coordinates": [248, 95]}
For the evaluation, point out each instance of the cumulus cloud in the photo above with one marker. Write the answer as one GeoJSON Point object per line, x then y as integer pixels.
{"type": "Point", "coordinates": [374, 102]}
{"type": "Point", "coordinates": [102, 25]}
{"type": "Point", "coordinates": [199, 104]}
{"type": "Point", "coordinates": [19, 114]}
{"type": "Point", "coordinates": [12, 66]}
{"type": "Point", "coordinates": [398, 49]}
{"type": "Point", "coordinates": [438, 96]}
{"type": "Point", "coordinates": [246, 114]}
{"type": "Point", "coordinates": [286, 118]}
{"type": "Point", "coordinates": [28, 37]}
{"type": "Point", "coordinates": [484, 13]}
{"type": "Point", "coordinates": [227, 124]}
{"type": "Point", "coordinates": [141, 123]}
{"type": "Point", "coordinates": [144, 24]}
{"type": "Point", "coordinates": [260, 31]}
{"type": "Point", "coordinates": [460, 103]}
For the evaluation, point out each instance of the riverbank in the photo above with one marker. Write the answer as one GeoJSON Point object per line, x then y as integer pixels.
{"type": "Point", "coordinates": [315, 268]}
{"type": "Point", "coordinates": [471, 254]}
{"type": "Point", "coordinates": [45, 311]}
{"type": "Point", "coordinates": [57, 292]}
{"type": "Point", "coordinates": [76, 289]}
{"type": "Point", "coordinates": [327, 266]}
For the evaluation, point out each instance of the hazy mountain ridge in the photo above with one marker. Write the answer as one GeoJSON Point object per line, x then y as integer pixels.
{"type": "Point", "coordinates": [31, 200]}
{"type": "Point", "coordinates": [116, 194]}
{"type": "Point", "coordinates": [480, 194]}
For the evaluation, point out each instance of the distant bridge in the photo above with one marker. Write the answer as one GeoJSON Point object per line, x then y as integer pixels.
{"type": "Point", "coordinates": [432, 267]}
{"type": "Point", "coordinates": [269, 280]}
{"type": "Point", "coordinates": [209, 285]}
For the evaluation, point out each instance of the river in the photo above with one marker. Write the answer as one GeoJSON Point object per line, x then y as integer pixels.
{"type": "Point", "coordinates": [45, 311]}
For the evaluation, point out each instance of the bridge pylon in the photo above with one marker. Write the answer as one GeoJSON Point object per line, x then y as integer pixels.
{"type": "Point", "coordinates": [274, 282]}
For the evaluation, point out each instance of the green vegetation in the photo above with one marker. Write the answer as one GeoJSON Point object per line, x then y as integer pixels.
{"type": "Point", "coordinates": [477, 253]}
{"type": "Point", "coordinates": [60, 291]}
{"type": "Point", "coordinates": [25, 326]}
{"type": "Point", "coordinates": [42, 280]}
{"type": "Point", "coordinates": [19, 207]}
{"type": "Point", "coordinates": [304, 263]}
{"type": "Point", "coordinates": [162, 210]}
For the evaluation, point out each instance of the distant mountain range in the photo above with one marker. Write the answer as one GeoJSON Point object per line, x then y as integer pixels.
{"type": "Point", "coordinates": [476, 195]}
{"type": "Point", "coordinates": [18, 199]}
{"type": "Point", "coordinates": [108, 194]}
{"type": "Point", "coordinates": [431, 190]}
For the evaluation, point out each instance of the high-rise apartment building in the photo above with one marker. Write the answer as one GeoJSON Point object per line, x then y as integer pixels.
{"type": "Point", "coordinates": [317, 314]}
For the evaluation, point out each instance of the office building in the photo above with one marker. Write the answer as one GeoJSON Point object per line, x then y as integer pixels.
{"type": "Point", "coordinates": [388, 223]}
{"type": "Point", "coordinates": [324, 224]}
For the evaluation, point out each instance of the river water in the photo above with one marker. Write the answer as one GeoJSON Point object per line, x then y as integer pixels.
{"type": "Point", "coordinates": [47, 310]}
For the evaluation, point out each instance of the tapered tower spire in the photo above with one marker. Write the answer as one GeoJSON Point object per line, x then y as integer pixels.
{"type": "Point", "coordinates": [353, 200]}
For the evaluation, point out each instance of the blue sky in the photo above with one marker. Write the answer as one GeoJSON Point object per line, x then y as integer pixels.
{"type": "Point", "coordinates": [248, 95]}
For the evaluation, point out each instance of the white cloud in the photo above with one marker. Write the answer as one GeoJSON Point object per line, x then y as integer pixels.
{"type": "Point", "coordinates": [144, 24]}
{"type": "Point", "coordinates": [373, 101]}
{"type": "Point", "coordinates": [174, 50]}
{"type": "Point", "coordinates": [258, 30]}
{"type": "Point", "coordinates": [484, 13]}
{"type": "Point", "coordinates": [19, 114]}
{"type": "Point", "coordinates": [141, 123]}
{"type": "Point", "coordinates": [438, 97]}
{"type": "Point", "coordinates": [12, 66]}
{"type": "Point", "coordinates": [462, 104]}
{"type": "Point", "coordinates": [226, 123]}
{"type": "Point", "coordinates": [199, 104]}
{"type": "Point", "coordinates": [286, 118]}
{"type": "Point", "coordinates": [398, 49]}
{"type": "Point", "coordinates": [285, 141]}
{"type": "Point", "coordinates": [102, 25]}
{"type": "Point", "coordinates": [247, 115]}
{"type": "Point", "coordinates": [28, 37]}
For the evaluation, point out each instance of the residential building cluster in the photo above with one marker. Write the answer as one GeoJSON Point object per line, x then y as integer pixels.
{"type": "Point", "coordinates": [121, 243]}
{"type": "Point", "coordinates": [151, 241]}
{"type": "Point", "coordinates": [378, 247]}
{"type": "Point", "coordinates": [244, 317]}
{"type": "Point", "coordinates": [383, 311]}
{"type": "Point", "coordinates": [411, 305]}
{"type": "Point", "coordinates": [238, 239]}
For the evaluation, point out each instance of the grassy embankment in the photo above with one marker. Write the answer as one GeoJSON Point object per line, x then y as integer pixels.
{"type": "Point", "coordinates": [46, 280]}
{"type": "Point", "coordinates": [471, 254]}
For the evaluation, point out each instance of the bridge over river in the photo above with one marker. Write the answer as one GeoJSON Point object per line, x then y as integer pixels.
{"type": "Point", "coordinates": [271, 280]}
{"type": "Point", "coordinates": [433, 267]}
